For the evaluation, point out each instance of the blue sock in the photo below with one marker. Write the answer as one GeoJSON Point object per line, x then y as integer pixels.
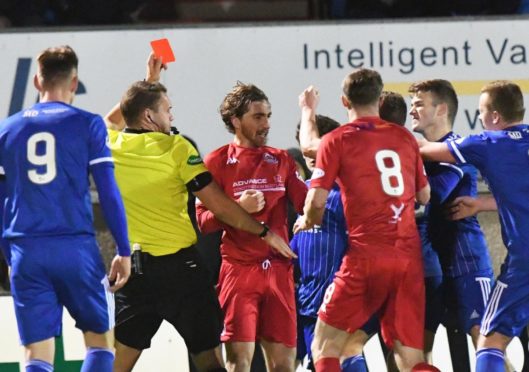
{"type": "Point", "coordinates": [355, 363]}
{"type": "Point", "coordinates": [98, 360]}
{"type": "Point", "coordinates": [37, 365]}
{"type": "Point", "coordinates": [490, 360]}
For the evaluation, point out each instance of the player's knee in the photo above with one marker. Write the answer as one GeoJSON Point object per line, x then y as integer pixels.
{"type": "Point", "coordinates": [325, 348]}
{"type": "Point", "coordinates": [239, 361]}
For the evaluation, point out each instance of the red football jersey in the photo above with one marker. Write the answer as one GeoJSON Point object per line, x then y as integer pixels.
{"type": "Point", "coordinates": [379, 170]}
{"type": "Point", "coordinates": [272, 171]}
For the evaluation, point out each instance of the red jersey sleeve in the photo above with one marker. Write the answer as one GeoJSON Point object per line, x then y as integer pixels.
{"type": "Point", "coordinates": [296, 188]}
{"type": "Point", "coordinates": [327, 161]}
{"type": "Point", "coordinates": [421, 180]}
{"type": "Point", "coordinates": [206, 221]}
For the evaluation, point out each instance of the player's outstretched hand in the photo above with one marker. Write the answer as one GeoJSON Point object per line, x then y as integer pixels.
{"type": "Point", "coordinates": [462, 207]}
{"type": "Point", "coordinates": [154, 67]}
{"type": "Point", "coordinates": [301, 225]}
{"type": "Point", "coordinates": [276, 242]}
{"type": "Point", "coordinates": [309, 98]}
{"type": "Point", "coordinates": [252, 201]}
{"type": "Point", "coordinates": [119, 272]}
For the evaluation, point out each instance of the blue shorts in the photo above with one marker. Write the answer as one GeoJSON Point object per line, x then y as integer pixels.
{"type": "Point", "coordinates": [507, 310]}
{"type": "Point", "coordinates": [467, 296]}
{"type": "Point", "coordinates": [461, 299]}
{"type": "Point", "coordinates": [48, 273]}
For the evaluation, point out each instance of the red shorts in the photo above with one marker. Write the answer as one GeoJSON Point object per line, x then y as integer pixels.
{"type": "Point", "coordinates": [392, 288]}
{"type": "Point", "coordinates": [258, 302]}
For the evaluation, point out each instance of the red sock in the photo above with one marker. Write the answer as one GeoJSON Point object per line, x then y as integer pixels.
{"type": "Point", "coordinates": [424, 367]}
{"type": "Point", "coordinates": [328, 365]}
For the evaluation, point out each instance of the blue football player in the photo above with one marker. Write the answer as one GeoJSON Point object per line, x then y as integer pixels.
{"type": "Point", "coordinates": [460, 245]}
{"type": "Point", "coordinates": [46, 155]}
{"type": "Point", "coordinates": [501, 154]}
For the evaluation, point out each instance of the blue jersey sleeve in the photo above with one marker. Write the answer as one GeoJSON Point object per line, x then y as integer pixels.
{"type": "Point", "coordinates": [443, 179]}
{"type": "Point", "coordinates": [471, 149]}
{"type": "Point", "coordinates": [3, 243]}
{"type": "Point", "coordinates": [112, 205]}
{"type": "Point", "coordinates": [99, 150]}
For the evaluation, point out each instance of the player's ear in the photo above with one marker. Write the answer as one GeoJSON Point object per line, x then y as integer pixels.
{"type": "Point", "coordinates": [36, 83]}
{"type": "Point", "coordinates": [74, 84]}
{"type": "Point", "coordinates": [236, 122]}
{"type": "Point", "coordinates": [345, 102]}
{"type": "Point", "coordinates": [496, 117]}
{"type": "Point", "coordinates": [442, 109]}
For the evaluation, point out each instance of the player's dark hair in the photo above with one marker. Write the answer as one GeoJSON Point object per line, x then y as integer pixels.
{"type": "Point", "coordinates": [56, 64]}
{"type": "Point", "coordinates": [392, 107]}
{"type": "Point", "coordinates": [442, 92]}
{"type": "Point", "coordinates": [237, 102]}
{"type": "Point", "coordinates": [140, 96]}
{"type": "Point", "coordinates": [506, 98]}
{"type": "Point", "coordinates": [324, 124]}
{"type": "Point", "coordinates": [362, 87]}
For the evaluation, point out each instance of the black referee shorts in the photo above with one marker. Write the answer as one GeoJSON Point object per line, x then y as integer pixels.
{"type": "Point", "coordinates": [175, 288]}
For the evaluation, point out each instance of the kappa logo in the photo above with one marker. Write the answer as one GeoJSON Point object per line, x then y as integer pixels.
{"type": "Point", "coordinates": [278, 179]}
{"type": "Point", "coordinates": [270, 158]}
{"type": "Point", "coordinates": [232, 160]}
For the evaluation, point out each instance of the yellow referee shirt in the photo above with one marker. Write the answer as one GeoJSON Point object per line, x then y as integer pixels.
{"type": "Point", "coordinates": [152, 170]}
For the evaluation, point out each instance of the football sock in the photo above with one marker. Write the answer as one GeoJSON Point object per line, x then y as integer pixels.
{"type": "Point", "coordinates": [98, 360]}
{"type": "Point", "coordinates": [327, 365]}
{"type": "Point", "coordinates": [355, 363]}
{"type": "Point", "coordinates": [37, 365]}
{"type": "Point", "coordinates": [490, 360]}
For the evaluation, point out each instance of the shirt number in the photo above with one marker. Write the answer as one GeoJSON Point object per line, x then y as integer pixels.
{"type": "Point", "coordinates": [47, 158]}
{"type": "Point", "coordinates": [390, 173]}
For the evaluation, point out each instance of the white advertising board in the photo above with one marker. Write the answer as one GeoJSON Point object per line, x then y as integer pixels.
{"type": "Point", "coordinates": [282, 60]}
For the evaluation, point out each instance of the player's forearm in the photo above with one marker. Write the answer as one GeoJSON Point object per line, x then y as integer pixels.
{"type": "Point", "coordinates": [436, 151]}
{"type": "Point", "coordinates": [114, 119]}
{"type": "Point", "coordinates": [226, 210]}
{"type": "Point", "coordinates": [486, 203]}
{"type": "Point", "coordinates": [206, 221]}
{"type": "Point", "coordinates": [309, 137]}
{"type": "Point", "coordinates": [112, 205]}
{"type": "Point", "coordinates": [315, 206]}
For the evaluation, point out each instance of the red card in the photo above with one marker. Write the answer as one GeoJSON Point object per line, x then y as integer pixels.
{"type": "Point", "coordinates": [162, 49]}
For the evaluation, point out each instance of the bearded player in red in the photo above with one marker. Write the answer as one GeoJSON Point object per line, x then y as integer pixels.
{"type": "Point", "coordinates": [380, 172]}
{"type": "Point", "coordinates": [256, 288]}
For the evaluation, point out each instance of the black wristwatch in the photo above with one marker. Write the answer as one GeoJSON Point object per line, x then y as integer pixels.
{"type": "Point", "coordinates": [265, 231]}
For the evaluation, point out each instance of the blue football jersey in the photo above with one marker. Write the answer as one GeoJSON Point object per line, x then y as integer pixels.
{"type": "Point", "coordinates": [502, 157]}
{"type": "Point", "coordinates": [320, 251]}
{"type": "Point", "coordinates": [45, 155]}
{"type": "Point", "coordinates": [460, 245]}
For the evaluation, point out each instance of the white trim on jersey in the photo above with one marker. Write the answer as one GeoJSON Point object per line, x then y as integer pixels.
{"type": "Point", "coordinates": [457, 152]}
{"type": "Point", "coordinates": [101, 160]}
{"type": "Point", "coordinates": [454, 167]}
{"type": "Point", "coordinates": [2, 171]}
{"type": "Point", "coordinates": [111, 307]}
{"type": "Point", "coordinates": [265, 189]}
{"type": "Point", "coordinates": [492, 307]}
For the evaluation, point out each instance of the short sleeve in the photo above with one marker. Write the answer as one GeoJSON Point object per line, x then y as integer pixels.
{"type": "Point", "coordinates": [191, 164]}
{"type": "Point", "coordinates": [471, 149]}
{"type": "Point", "coordinates": [99, 151]}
